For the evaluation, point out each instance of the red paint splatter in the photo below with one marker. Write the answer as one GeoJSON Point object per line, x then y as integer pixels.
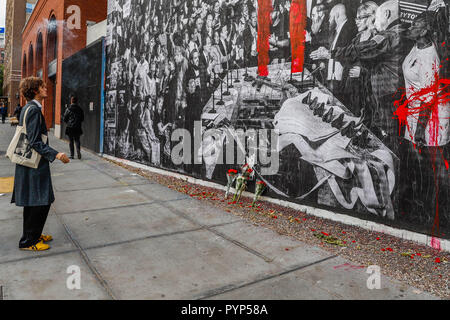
{"type": "Point", "coordinates": [264, 22]}
{"type": "Point", "coordinates": [428, 99]}
{"type": "Point", "coordinates": [435, 243]}
{"type": "Point", "coordinates": [298, 34]}
{"type": "Point", "coordinates": [348, 266]}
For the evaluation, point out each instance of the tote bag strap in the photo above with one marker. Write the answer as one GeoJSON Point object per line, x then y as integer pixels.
{"type": "Point", "coordinates": [25, 119]}
{"type": "Point", "coordinates": [44, 137]}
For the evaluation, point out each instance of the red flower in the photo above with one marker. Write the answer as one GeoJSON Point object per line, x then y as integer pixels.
{"type": "Point", "coordinates": [304, 219]}
{"type": "Point", "coordinates": [232, 171]}
{"type": "Point", "coordinates": [286, 249]}
{"type": "Point", "coordinates": [343, 232]}
{"type": "Point", "coordinates": [249, 170]}
{"type": "Point", "coordinates": [418, 254]}
{"type": "Point", "coordinates": [313, 229]}
{"type": "Point", "coordinates": [412, 256]}
{"type": "Point", "coordinates": [383, 249]}
{"type": "Point", "coordinates": [389, 249]}
{"type": "Point", "coordinates": [261, 182]}
{"type": "Point", "coordinates": [275, 217]}
{"type": "Point", "coordinates": [438, 260]}
{"type": "Point", "coordinates": [353, 241]}
{"type": "Point", "coordinates": [378, 238]}
{"type": "Point", "coordinates": [325, 234]}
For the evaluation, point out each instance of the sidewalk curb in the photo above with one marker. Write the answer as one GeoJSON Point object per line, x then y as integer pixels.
{"type": "Point", "coordinates": [321, 213]}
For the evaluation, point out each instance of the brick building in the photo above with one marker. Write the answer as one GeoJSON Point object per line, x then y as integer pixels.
{"type": "Point", "coordinates": [17, 12]}
{"type": "Point", "coordinates": [56, 30]}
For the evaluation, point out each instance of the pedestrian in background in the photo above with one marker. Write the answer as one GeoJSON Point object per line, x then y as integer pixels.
{"type": "Point", "coordinates": [74, 117]}
{"type": "Point", "coordinates": [33, 188]}
{"type": "Point", "coordinates": [3, 111]}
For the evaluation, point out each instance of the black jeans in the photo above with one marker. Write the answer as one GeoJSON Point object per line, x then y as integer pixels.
{"type": "Point", "coordinates": [3, 118]}
{"type": "Point", "coordinates": [34, 219]}
{"type": "Point", "coordinates": [74, 139]}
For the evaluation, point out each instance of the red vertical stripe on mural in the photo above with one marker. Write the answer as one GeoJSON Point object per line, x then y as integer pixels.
{"type": "Point", "coordinates": [264, 23]}
{"type": "Point", "coordinates": [297, 31]}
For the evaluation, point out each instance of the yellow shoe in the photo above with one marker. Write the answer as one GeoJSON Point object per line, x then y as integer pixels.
{"type": "Point", "coordinates": [40, 246]}
{"type": "Point", "coordinates": [46, 238]}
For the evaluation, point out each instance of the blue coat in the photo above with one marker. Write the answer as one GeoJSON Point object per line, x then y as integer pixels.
{"type": "Point", "coordinates": [33, 187]}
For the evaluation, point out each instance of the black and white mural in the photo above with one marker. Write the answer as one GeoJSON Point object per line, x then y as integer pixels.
{"type": "Point", "coordinates": [362, 129]}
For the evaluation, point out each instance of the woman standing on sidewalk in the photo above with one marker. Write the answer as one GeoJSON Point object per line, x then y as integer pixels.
{"type": "Point", "coordinates": [33, 187]}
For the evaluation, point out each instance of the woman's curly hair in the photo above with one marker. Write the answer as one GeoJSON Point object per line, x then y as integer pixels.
{"type": "Point", "coordinates": [29, 87]}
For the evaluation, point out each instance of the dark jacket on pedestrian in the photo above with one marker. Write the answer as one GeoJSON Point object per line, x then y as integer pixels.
{"type": "Point", "coordinates": [33, 187]}
{"type": "Point", "coordinates": [74, 117]}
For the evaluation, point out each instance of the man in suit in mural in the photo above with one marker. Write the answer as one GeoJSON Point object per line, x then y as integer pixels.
{"type": "Point", "coordinates": [198, 72]}
{"type": "Point", "coordinates": [344, 30]}
{"type": "Point", "coordinates": [319, 32]}
{"type": "Point", "coordinates": [225, 47]}
{"type": "Point", "coordinates": [279, 39]}
{"type": "Point", "coordinates": [251, 40]}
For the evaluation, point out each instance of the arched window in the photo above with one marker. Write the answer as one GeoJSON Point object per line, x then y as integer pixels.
{"type": "Point", "coordinates": [39, 53]}
{"type": "Point", "coordinates": [30, 61]}
{"type": "Point", "coordinates": [52, 39]}
{"type": "Point", "coordinates": [24, 66]}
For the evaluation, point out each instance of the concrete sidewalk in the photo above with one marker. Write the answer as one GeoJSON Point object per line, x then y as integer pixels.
{"type": "Point", "coordinates": [134, 239]}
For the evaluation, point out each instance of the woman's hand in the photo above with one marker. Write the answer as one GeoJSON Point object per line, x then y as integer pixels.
{"type": "Point", "coordinates": [63, 157]}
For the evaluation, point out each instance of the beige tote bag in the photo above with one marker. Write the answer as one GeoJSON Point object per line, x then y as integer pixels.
{"type": "Point", "coordinates": [20, 151]}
